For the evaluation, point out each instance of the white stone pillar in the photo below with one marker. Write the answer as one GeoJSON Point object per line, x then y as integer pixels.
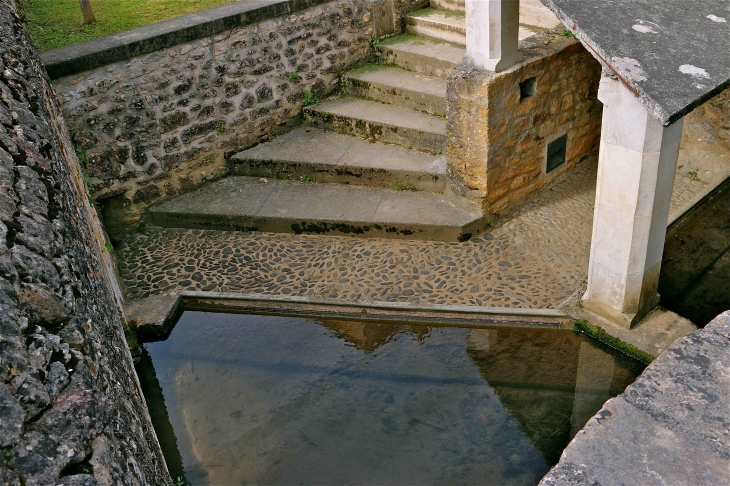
{"type": "Point", "coordinates": [492, 28]}
{"type": "Point", "coordinates": [636, 166]}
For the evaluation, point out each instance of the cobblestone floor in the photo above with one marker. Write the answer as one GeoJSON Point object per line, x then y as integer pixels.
{"type": "Point", "coordinates": [534, 259]}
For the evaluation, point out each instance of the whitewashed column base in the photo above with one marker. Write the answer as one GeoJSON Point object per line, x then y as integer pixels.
{"type": "Point", "coordinates": [636, 167]}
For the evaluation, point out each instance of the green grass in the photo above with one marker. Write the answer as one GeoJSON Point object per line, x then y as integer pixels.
{"type": "Point", "coordinates": [430, 10]}
{"type": "Point", "coordinates": [56, 23]}
{"type": "Point", "coordinates": [601, 335]}
{"type": "Point", "coordinates": [404, 37]}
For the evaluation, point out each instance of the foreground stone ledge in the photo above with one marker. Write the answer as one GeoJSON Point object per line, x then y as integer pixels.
{"type": "Point", "coordinates": [672, 426]}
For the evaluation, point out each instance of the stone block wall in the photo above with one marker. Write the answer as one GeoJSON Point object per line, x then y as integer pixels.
{"type": "Point", "coordinates": [498, 136]}
{"type": "Point", "coordinates": [161, 123]}
{"type": "Point", "coordinates": [71, 410]}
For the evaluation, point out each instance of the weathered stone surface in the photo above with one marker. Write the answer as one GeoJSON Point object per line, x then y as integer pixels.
{"type": "Point", "coordinates": [11, 417]}
{"type": "Point", "coordinates": [41, 306]}
{"type": "Point", "coordinates": [671, 54]}
{"type": "Point", "coordinates": [66, 374]}
{"type": "Point", "coordinates": [169, 118]}
{"type": "Point", "coordinates": [672, 426]}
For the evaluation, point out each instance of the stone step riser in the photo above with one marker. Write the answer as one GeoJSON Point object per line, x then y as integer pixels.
{"type": "Point", "coordinates": [332, 228]}
{"type": "Point", "coordinates": [436, 30]}
{"type": "Point", "coordinates": [326, 173]}
{"type": "Point", "coordinates": [403, 136]}
{"type": "Point", "coordinates": [416, 62]}
{"type": "Point", "coordinates": [397, 96]}
{"type": "Point", "coordinates": [532, 12]}
{"type": "Point", "coordinates": [450, 5]}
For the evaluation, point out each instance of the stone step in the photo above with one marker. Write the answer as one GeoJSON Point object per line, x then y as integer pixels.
{"type": "Point", "coordinates": [446, 25]}
{"type": "Point", "coordinates": [438, 24]}
{"type": "Point", "coordinates": [381, 122]}
{"type": "Point", "coordinates": [320, 156]}
{"type": "Point", "coordinates": [449, 5]}
{"type": "Point", "coordinates": [421, 55]}
{"type": "Point", "coordinates": [532, 12]}
{"type": "Point", "coordinates": [251, 204]}
{"type": "Point", "coordinates": [399, 87]}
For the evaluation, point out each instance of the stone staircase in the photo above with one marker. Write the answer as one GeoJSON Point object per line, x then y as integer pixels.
{"type": "Point", "coordinates": [369, 162]}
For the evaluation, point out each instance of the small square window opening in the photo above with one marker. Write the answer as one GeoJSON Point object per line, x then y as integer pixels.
{"type": "Point", "coordinates": [528, 88]}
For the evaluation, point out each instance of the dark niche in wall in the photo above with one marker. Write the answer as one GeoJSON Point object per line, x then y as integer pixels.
{"type": "Point", "coordinates": [556, 153]}
{"type": "Point", "coordinates": [528, 88]}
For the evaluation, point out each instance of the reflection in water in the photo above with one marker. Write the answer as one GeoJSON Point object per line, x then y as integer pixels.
{"type": "Point", "coordinates": [696, 263]}
{"type": "Point", "coordinates": [281, 400]}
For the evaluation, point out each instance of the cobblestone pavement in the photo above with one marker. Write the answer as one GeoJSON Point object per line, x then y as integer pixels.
{"type": "Point", "coordinates": [534, 259]}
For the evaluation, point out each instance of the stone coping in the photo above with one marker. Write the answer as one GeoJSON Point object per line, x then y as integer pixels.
{"type": "Point", "coordinates": [154, 317]}
{"type": "Point", "coordinates": [669, 427]}
{"type": "Point", "coordinates": [668, 53]}
{"type": "Point", "coordinates": [75, 58]}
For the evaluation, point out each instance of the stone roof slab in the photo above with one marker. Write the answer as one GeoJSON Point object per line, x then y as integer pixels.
{"type": "Point", "coordinates": [673, 54]}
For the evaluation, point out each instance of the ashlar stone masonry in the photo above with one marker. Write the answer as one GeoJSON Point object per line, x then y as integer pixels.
{"type": "Point", "coordinates": [500, 124]}
{"type": "Point", "coordinates": [162, 123]}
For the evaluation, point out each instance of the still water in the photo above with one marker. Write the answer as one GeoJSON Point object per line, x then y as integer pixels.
{"type": "Point", "coordinates": [250, 399]}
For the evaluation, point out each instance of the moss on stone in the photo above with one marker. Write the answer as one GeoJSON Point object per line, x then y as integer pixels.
{"type": "Point", "coordinates": [600, 334]}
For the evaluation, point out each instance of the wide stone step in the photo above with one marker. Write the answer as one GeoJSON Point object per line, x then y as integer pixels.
{"type": "Point", "coordinates": [446, 25]}
{"type": "Point", "coordinates": [421, 55]}
{"type": "Point", "coordinates": [397, 86]}
{"type": "Point", "coordinates": [438, 24]}
{"type": "Point", "coordinates": [320, 156]}
{"type": "Point", "coordinates": [253, 204]}
{"type": "Point", "coordinates": [451, 5]}
{"type": "Point", "coordinates": [381, 122]}
{"type": "Point", "coordinates": [532, 12]}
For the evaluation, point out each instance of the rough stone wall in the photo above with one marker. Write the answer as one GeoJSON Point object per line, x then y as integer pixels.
{"type": "Point", "coordinates": [707, 128]}
{"type": "Point", "coordinates": [162, 123]}
{"type": "Point", "coordinates": [498, 141]}
{"type": "Point", "coordinates": [71, 411]}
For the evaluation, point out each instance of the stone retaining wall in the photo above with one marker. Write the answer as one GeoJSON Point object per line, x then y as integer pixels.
{"type": "Point", "coordinates": [498, 136]}
{"type": "Point", "coordinates": [162, 123]}
{"type": "Point", "coordinates": [71, 410]}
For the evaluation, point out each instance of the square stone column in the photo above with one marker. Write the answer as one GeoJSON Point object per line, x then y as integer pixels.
{"type": "Point", "coordinates": [636, 166]}
{"type": "Point", "coordinates": [492, 28]}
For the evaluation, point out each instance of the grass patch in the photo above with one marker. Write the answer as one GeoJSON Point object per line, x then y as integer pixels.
{"type": "Point", "coordinates": [405, 37]}
{"type": "Point", "coordinates": [429, 10]}
{"type": "Point", "coordinates": [404, 186]}
{"type": "Point", "coordinates": [57, 23]}
{"type": "Point", "coordinates": [598, 333]}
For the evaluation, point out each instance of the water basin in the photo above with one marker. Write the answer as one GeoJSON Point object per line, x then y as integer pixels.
{"type": "Point", "coordinates": [254, 399]}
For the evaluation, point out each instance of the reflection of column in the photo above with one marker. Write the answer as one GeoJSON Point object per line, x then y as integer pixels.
{"type": "Point", "coordinates": [492, 28]}
{"type": "Point", "coordinates": [636, 166]}
{"type": "Point", "coordinates": [592, 384]}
